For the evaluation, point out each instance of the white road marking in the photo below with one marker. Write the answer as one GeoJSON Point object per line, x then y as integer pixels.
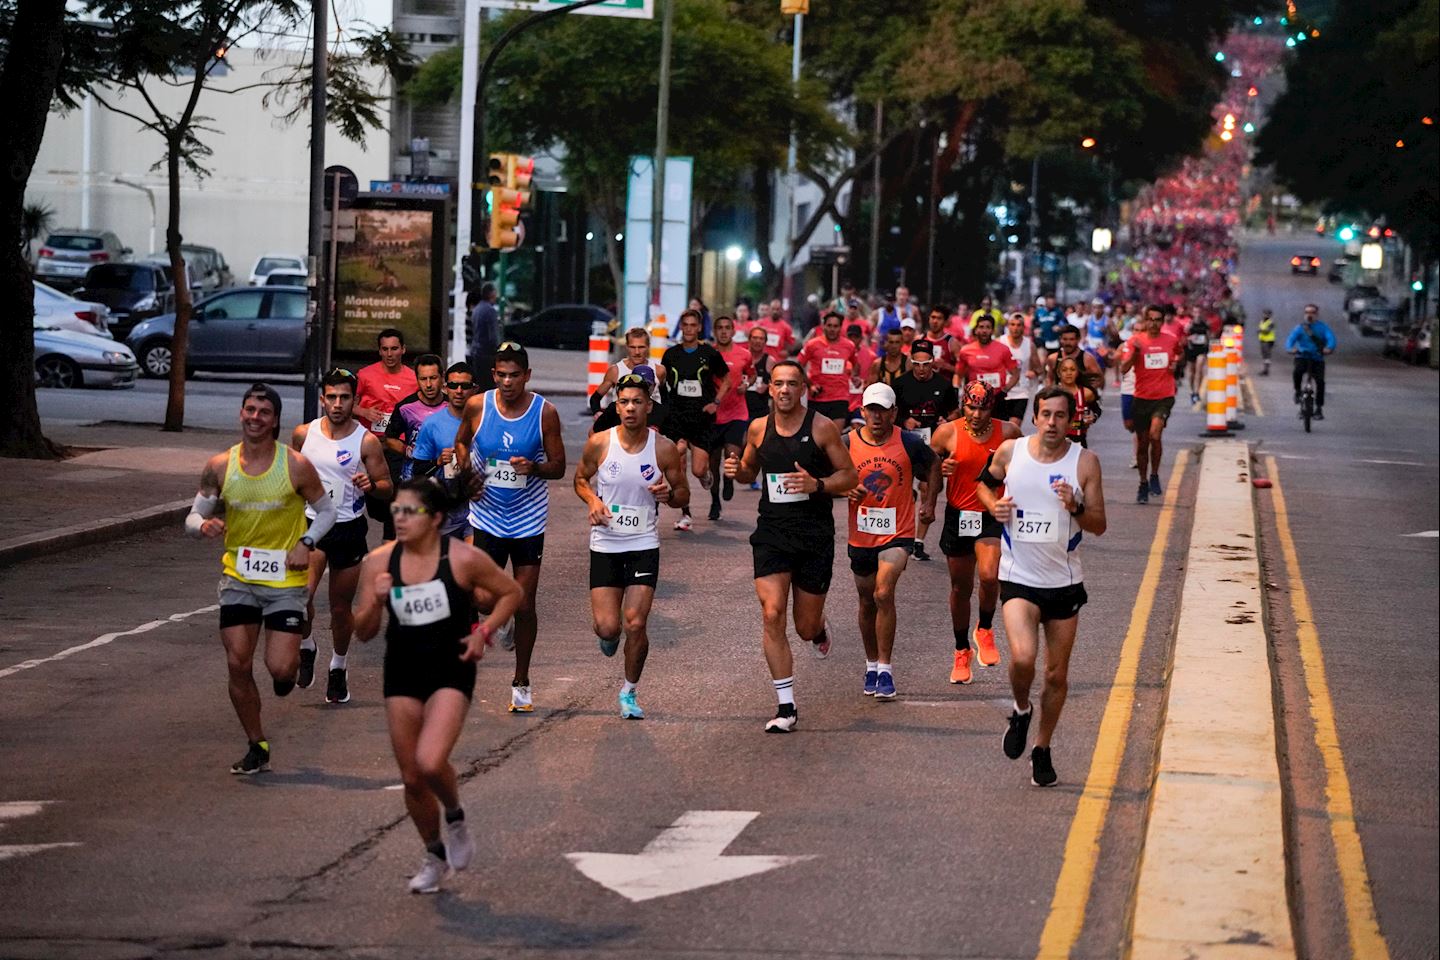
{"type": "Point", "coordinates": [1398, 463]}
{"type": "Point", "coordinates": [1426, 534]}
{"type": "Point", "coordinates": [14, 810]}
{"type": "Point", "coordinates": [17, 850]}
{"type": "Point", "coordinates": [103, 639]}
{"type": "Point", "coordinates": [685, 856]}
{"type": "Point", "coordinates": [394, 786]}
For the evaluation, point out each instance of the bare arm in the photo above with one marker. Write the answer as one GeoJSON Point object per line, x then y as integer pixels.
{"type": "Point", "coordinates": [999, 507]}
{"type": "Point", "coordinates": [942, 441]}
{"type": "Point", "coordinates": [1091, 518]}
{"type": "Point", "coordinates": [590, 459]}
{"type": "Point", "coordinates": [674, 490]}
{"type": "Point", "coordinates": [370, 595]}
{"type": "Point", "coordinates": [744, 468]}
{"type": "Point", "coordinates": [554, 442]}
{"type": "Point", "coordinates": [464, 438]}
{"type": "Point", "coordinates": [843, 477]}
{"type": "Point", "coordinates": [375, 479]}
{"type": "Point", "coordinates": [202, 521]}
{"type": "Point", "coordinates": [297, 437]}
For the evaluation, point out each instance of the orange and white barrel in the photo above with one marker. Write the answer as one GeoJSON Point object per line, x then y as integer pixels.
{"type": "Point", "coordinates": [599, 356]}
{"type": "Point", "coordinates": [1216, 419]}
{"type": "Point", "coordinates": [659, 337]}
{"type": "Point", "coordinates": [1232, 384]}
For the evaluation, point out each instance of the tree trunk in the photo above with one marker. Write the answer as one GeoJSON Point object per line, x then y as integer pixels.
{"type": "Point", "coordinates": [764, 221]}
{"type": "Point", "coordinates": [180, 342]}
{"type": "Point", "coordinates": [32, 65]}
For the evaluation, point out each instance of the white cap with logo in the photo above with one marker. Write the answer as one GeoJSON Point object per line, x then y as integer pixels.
{"type": "Point", "coordinates": [878, 395]}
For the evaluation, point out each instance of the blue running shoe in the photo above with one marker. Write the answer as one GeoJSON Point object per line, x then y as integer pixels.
{"type": "Point", "coordinates": [608, 647]}
{"type": "Point", "coordinates": [885, 687]}
{"type": "Point", "coordinates": [870, 679]}
{"type": "Point", "coordinates": [629, 709]}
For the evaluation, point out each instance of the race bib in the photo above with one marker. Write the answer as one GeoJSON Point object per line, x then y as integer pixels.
{"type": "Point", "coordinates": [772, 339]}
{"type": "Point", "coordinates": [1157, 361]}
{"type": "Point", "coordinates": [776, 489]}
{"type": "Point", "coordinates": [451, 470]}
{"type": "Point", "coordinates": [420, 603]}
{"type": "Point", "coordinates": [991, 379]}
{"type": "Point", "coordinates": [832, 365]}
{"type": "Point", "coordinates": [381, 424]}
{"type": "Point", "coordinates": [1035, 526]}
{"type": "Point", "coordinates": [876, 520]}
{"type": "Point", "coordinates": [688, 388]}
{"type": "Point", "coordinates": [1052, 344]}
{"type": "Point", "coordinates": [969, 523]}
{"type": "Point", "coordinates": [1199, 339]}
{"type": "Point", "coordinates": [252, 563]}
{"type": "Point", "coordinates": [499, 473]}
{"type": "Point", "coordinates": [628, 521]}
{"type": "Point", "coordinates": [923, 433]}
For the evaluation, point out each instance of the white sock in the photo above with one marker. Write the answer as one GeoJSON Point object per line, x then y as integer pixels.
{"type": "Point", "coordinates": [1016, 706]}
{"type": "Point", "coordinates": [337, 662]}
{"type": "Point", "coordinates": [882, 667]}
{"type": "Point", "coordinates": [627, 687]}
{"type": "Point", "coordinates": [785, 690]}
{"type": "Point", "coordinates": [307, 643]}
{"type": "Point", "coordinates": [871, 666]}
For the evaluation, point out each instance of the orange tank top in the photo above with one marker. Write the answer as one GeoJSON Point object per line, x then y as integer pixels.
{"type": "Point", "coordinates": [970, 456]}
{"type": "Point", "coordinates": [886, 475]}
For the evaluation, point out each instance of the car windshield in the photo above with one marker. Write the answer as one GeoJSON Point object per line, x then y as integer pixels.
{"type": "Point", "coordinates": [67, 241]}
{"type": "Point", "coordinates": [120, 276]}
{"type": "Point", "coordinates": [271, 264]}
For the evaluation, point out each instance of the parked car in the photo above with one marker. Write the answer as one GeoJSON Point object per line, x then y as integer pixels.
{"type": "Point", "coordinates": [562, 327]}
{"type": "Point", "coordinates": [1305, 263]}
{"type": "Point", "coordinates": [210, 267]}
{"type": "Point", "coordinates": [1394, 343]}
{"type": "Point", "coordinates": [1337, 269]}
{"type": "Point", "coordinates": [132, 291]}
{"type": "Point", "coordinates": [63, 312]}
{"type": "Point", "coordinates": [238, 329]}
{"type": "Point", "coordinates": [286, 279]}
{"type": "Point", "coordinates": [1377, 319]}
{"type": "Point", "coordinates": [1358, 297]}
{"type": "Point", "coordinates": [66, 255]}
{"type": "Point", "coordinates": [192, 274]}
{"type": "Point", "coordinates": [274, 263]}
{"type": "Point", "coordinates": [64, 358]}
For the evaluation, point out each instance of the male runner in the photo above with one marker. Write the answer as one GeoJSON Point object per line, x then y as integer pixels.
{"type": "Point", "coordinates": [803, 466]}
{"type": "Point", "coordinates": [970, 537]}
{"type": "Point", "coordinates": [924, 401]}
{"type": "Point", "coordinates": [637, 354]}
{"type": "Point", "coordinates": [435, 449]}
{"type": "Point", "coordinates": [830, 361]}
{"type": "Point", "coordinates": [1311, 342]}
{"type": "Point", "coordinates": [779, 335]}
{"type": "Point", "coordinates": [987, 309]}
{"type": "Point", "coordinates": [1046, 325]}
{"type": "Point", "coordinates": [986, 359]}
{"type": "Point", "coordinates": [732, 413]}
{"type": "Point", "coordinates": [944, 345]}
{"type": "Point", "coordinates": [892, 364]}
{"type": "Point", "coordinates": [265, 487]}
{"type": "Point", "coordinates": [624, 474]}
{"type": "Point", "coordinates": [1069, 336]}
{"type": "Point", "coordinates": [379, 388]}
{"type": "Point", "coordinates": [1197, 345]}
{"type": "Point", "coordinates": [697, 380]}
{"type": "Point", "coordinates": [411, 412]}
{"type": "Point", "coordinates": [508, 445]}
{"type": "Point", "coordinates": [1153, 356]}
{"type": "Point", "coordinates": [352, 467]}
{"type": "Point", "coordinates": [882, 520]}
{"type": "Point", "coordinates": [864, 362]}
{"type": "Point", "coordinates": [1027, 357]}
{"type": "Point", "coordinates": [1052, 497]}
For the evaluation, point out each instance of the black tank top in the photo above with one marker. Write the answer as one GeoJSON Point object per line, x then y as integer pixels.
{"type": "Point", "coordinates": [432, 622]}
{"type": "Point", "coordinates": [779, 454]}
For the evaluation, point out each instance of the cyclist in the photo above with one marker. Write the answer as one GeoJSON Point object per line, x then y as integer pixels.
{"type": "Point", "coordinates": [1310, 342]}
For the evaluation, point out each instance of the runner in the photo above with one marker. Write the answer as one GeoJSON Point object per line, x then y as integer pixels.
{"type": "Point", "coordinates": [508, 445]}
{"type": "Point", "coordinates": [411, 412]}
{"type": "Point", "coordinates": [924, 401]}
{"type": "Point", "coordinates": [779, 335]}
{"type": "Point", "coordinates": [637, 354]}
{"type": "Point", "coordinates": [1052, 497]}
{"type": "Point", "coordinates": [352, 467]}
{"type": "Point", "coordinates": [435, 450]}
{"type": "Point", "coordinates": [732, 414]}
{"type": "Point", "coordinates": [987, 309]}
{"type": "Point", "coordinates": [1100, 332]}
{"type": "Point", "coordinates": [431, 585]}
{"type": "Point", "coordinates": [1046, 328]}
{"type": "Point", "coordinates": [830, 361]}
{"type": "Point", "coordinates": [804, 466]}
{"type": "Point", "coordinates": [1069, 335]}
{"type": "Point", "coordinates": [892, 363]}
{"type": "Point", "coordinates": [970, 537]}
{"type": "Point", "coordinates": [1197, 345]}
{"type": "Point", "coordinates": [624, 474]}
{"type": "Point", "coordinates": [1266, 335]}
{"type": "Point", "coordinates": [944, 345]}
{"type": "Point", "coordinates": [986, 359]}
{"type": "Point", "coordinates": [1127, 389]}
{"type": "Point", "coordinates": [265, 487]}
{"type": "Point", "coordinates": [697, 379]}
{"type": "Point", "coordinates": [1087, 405]}
{"type": "Point", "coordinates": [379, 389]}
{"type": "Point", "coordinates": [757, 394]}
{"type": "Point", "coordinates": [864, 363]}
{"type": "Point", "coordinates": [1027, 358]}
{"type": "Point", "coordinates": [1153, 357]}
{"type": "Point", "coordinates": [883, 513]}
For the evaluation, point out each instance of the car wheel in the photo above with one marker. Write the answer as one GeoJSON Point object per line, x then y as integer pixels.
{"type": "Point", "coordinates": [57, 371]}
{"type": "Point", "coordinates": [156, 358]}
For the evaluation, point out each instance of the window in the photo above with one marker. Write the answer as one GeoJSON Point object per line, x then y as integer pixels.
{"type": "Point", "coordinates": [67, 241]}
{"type": "Point", "coordinates": [242, 305]}
{"type": "Point", "coordinates": [288, 306]}
{"type": "Point", "coordinates": [120, 276]}
{"type": "Point", "coordinates": [269, 265]}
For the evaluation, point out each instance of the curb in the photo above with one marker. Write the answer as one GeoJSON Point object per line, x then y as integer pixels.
{"type": "Point", "coordinates": [18, 549]}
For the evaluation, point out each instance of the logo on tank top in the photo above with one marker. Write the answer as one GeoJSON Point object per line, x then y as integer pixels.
{"type": "Point", "coordinates": [508, 439]}
{"type": "Point", "coordinates": [612, 469]}
{"type": "Point", "coordinates": [342, 457]}
{"type": "Point", "coordinates": [647, 472]}
{"type": "Point", "coordinates": [877, 484]}
{"type": "Point", "coordinates": [1056, 476]}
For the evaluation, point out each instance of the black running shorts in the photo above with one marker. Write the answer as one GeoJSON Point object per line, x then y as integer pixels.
{"type": "Point", "coordinates": [632, 568]}
{"type": "Point", "coordinates": [954, 545]}
{"type": "Point", "coordinates": [519, 551]}
{"type": "Point", "coordinates": [344, 546]}
{"type": "Point", "coordinates": [418, 672]}
{"type": "Point", "coordinates": [1055, 603]}
{"type": "Point", "coordinates": [865, 561]}
{"type": "Point", "coordinates": [808, 557]}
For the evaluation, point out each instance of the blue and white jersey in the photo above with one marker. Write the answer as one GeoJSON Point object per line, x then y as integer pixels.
{"type": "Point", "coordinates": [1095, 331]}
{"type": "Point", "coordinates": [510, 505]}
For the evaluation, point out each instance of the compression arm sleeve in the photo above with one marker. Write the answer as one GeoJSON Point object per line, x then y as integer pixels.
{"type": "Point", "coordinates": [595, 399]}
{"type": "Point", "coordinates": [988, 478]}
{"type": "Point", "coordinates": [201, 510]}
{"type": "Point", "coordinates": [324, 509]}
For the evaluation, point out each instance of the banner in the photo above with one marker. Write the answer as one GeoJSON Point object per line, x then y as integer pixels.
{"type": "Point", "coordinates": [392, 275]}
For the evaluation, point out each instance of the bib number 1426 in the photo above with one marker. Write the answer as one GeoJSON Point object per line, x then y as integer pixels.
{"type": "Point", "coordinates": [252, 563]}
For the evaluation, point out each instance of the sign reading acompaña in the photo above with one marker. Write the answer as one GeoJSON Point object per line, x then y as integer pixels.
{"type": "Point", "coordinates": [634, 9]}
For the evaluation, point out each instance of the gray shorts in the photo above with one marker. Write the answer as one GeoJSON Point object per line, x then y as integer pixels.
{"type": "Point", "coordinates": [268, 600]}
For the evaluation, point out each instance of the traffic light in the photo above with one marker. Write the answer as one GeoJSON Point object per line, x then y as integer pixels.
{"type": "Point", "coordinates": [1417, 285]}
{"type": "Point", "coordinates": [510, 176]}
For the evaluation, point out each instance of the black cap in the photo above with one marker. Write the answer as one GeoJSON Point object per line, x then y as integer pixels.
{"type": "Point", "coordinates": [922, 346]}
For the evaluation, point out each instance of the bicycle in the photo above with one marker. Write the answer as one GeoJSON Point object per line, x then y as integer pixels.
{"type": "Point", "coordinates": [1307, 400]}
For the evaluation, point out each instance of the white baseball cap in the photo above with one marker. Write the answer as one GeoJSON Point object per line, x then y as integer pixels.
{"type": "Point", "coordinates": [908, 322]}
{"type": "Point", "coordinates": [1039, 301]}
{"type": "Point", "coordinates": [878, 395]}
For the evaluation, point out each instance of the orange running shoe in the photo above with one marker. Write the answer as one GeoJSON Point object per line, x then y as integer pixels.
{"type": "Point", "coordinates": [985, 645]}
{"type": "Point", "coordinates": [960, 673]}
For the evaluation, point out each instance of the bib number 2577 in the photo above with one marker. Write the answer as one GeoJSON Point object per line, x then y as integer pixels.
{"type": "Point", "coordinates": [1035, 526]}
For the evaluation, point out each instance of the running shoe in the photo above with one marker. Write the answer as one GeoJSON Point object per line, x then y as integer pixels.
{"type": "Point", "coordinates": [432, 872]}
{"type": "Point", "coordinates": [885, 686]}
{"type": "Point", "coordinates": [306, 676]}
{"type": "Point", "coordinates": [629, 709]}
{"type": "Point", "coordinates": [256, 760]}
{"type": "Point", "coordinates": [755, 485]}
{"type": "Point", "coordinates": [714, 512]}
{"type": "Point", "coordinates": [1133, 462]}
{"type": "Point", "coordinates": [727, 489]}
{"type": "Point", "coordinates": [960, 673]}
{"type": "Point", "coordinates": [1297, 399]}
{"type": "Point", "coordinates": [985, 653]}
{"type": "Point", "coordinates": [1194, 398]}
{"type": "Point", "coordinates": [1042, 772]}
{"type": "Point", "coordinates": [871, 679]}
{"type": "Point", "coordinates": [1155, 485]}
{"type": "Point", "coordinates": [1017, 732]}
{"type": "Point", "coordinates": [785, 719]}
{"type": "Point", "coordinates": [459, 845]}
{"type": "Point", "coordinates": [820, 649]}
{"type": "Point", "coordinates": [919, 552]}
{"type": "Point", "coordinates": [520, 700]}
{"type": "Point", "coordinates": [337, 688]}
{"type": "Point", "coordinates": [1143, 495]}
{"type": "Point", "coordinates": [1319, 414]}
{"type": "Point", "coordinates": [505, 636]}
{"type": "Point", "coordinates": [608, 647]}
{"type": "Point", "coordinates": [683, 523]}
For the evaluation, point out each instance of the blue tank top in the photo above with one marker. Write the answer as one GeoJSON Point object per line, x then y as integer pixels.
{"type": "Point", "coordinates": [1095, 329]}
{"type": "Point", "coordinates": [509, 506]}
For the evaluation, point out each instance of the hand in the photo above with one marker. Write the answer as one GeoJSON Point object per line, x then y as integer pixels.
{"type": "Point", "coordinates": [927, 513]}
{"type": "Point", "coordinates": [948, 466]}
{"type": "Point", "coordinates": [798, 482]}
{"type": "Point", "coordinates": [709, 408]}
{"type": "Point", "coordinates": [476, 643]}
{"type": "Point", "coordinates": [661, 490]}
{"type": "Point", "coordinates": [212, 528]}
{"type": "Point", "coordinates": [383, 584]}
{"type": "Point", "coordinates": [911, 423]}
{"type": "Point", "coordinates": [599, 513]}
{"type": "Point", "coordinates": [298, 558]}
{"type": "Point", "coordinates": [368, 413]}
{"type": "Point", "coordinates": [446, 456]}
{"type": "Point", "coordinates": [1004, 509]}
{"type": "Point", "coordinates": [474, 484]}
{"type": "Point", "coordinates": [814, 392]}
{"type": "Point", "coordinates": [363, 482]}
{"type": "Point", "coordinates": [731, 466]}
{"type": "Point", "coordinates": [856, 495]}
{"type": "Point", "coordinates": [522, 466]}
{"type": "Point", "coordinates": [1065, 492]}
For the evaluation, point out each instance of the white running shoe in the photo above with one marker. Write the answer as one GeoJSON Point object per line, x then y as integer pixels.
{"type": "Point", "coordinates": [520, 701]}
{"type": "Point", "coordinates": [683, 523]}
{"type": "Point", "coordinates": [784, 721]}
{"type": "Point", "coordinates": [505, 636]}
{"type": "Point", "coordinates": [432, 872]}
{"type": "Point", "coordinates": [459, 845]}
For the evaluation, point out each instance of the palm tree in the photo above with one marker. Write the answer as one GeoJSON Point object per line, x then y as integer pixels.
{"type": "Point", "coordinates": [35, 222]}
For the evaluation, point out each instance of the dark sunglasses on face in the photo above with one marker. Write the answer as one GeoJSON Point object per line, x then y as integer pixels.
{"type": "Point", "coordinates": [459, 385]}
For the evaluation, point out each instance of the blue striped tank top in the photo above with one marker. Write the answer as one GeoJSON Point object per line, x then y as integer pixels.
{"type": "Point", "coordinates": [509, 506]}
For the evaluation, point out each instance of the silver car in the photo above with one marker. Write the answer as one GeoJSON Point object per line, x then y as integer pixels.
{"type": "Point", "coordinates": [67, 254]}
{"type": "Point", "coordinates": [56, 309]}
{"type": "Point", "coordinates": [245, 328]}
{"type": "Point", "coordinates": [67, 359]}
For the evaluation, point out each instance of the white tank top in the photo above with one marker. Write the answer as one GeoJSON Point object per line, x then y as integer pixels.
{"type": "Point", "coordinates": [1021, 390]}
{"type": "Point", "coordinates": [623, 368]}
{"type": "Point", "coordinates": [1040, 546]}
{"type": "Point", "coordinates": [623, 482]}
{"type": "Point", "coordinates": [337, 462]}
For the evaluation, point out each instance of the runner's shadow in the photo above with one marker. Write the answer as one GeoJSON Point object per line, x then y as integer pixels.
{"type": "Point", "coordinates": [314, 777]}
{"type": "Point", "coordinates": [475, 921]}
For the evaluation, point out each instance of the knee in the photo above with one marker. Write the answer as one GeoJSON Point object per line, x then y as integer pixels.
{"type": "Point", "coordinates": [773, 614]}
{"type": "Point", "coordinates": [432, 769]}
{"type": "Point", "coordinates": [1057, 678]}
{"type": "Point", "coordinates": [884, 595]}
{"type": "Point", "coordinates": [412, 778]}
{"type": "Point", "coordinates": [634, 623]}
{"type": "Point", "coordinates": [607, 626]}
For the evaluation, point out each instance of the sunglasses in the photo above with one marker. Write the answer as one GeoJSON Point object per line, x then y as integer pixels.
{"type": "Point", "coordinates": [920, 363]}
{"type": "Point", "coordinates": [510, 345]}
{"type": "Point", "coordinates": [339, 371]}
{"type": "Point", "coordinates": [406, 510]}
{"type": "Point", "coordinates": [632, 380]}
{"type": "Point", "coordinates": [459, 385]}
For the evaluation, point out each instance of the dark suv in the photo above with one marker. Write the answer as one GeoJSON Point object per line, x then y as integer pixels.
{"type": "Point", "coordinates": [132, 291]}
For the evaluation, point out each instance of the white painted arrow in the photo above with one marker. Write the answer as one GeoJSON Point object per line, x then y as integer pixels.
{"type": "Point", "coordinates": [685, 856]}
{"type": "Point", "coordinates": [14, 810]}
{"type": "Point", "coordinates": [1427, 534]}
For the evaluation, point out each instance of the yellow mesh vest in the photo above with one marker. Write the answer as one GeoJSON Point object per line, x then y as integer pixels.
{"type": "Point", "coordinates": [262, 512]}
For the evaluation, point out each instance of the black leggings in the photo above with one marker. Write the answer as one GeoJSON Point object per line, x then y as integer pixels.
{"type": "Point", "coordinates": [1317, 370]}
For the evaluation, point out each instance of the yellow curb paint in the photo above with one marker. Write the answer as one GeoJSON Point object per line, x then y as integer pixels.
{"type": "Point", "coordinates": [1366, 940]}
{"type": "Point", "coordinates": [1082, 845]}
{"type": "Point", "coordinates": [1255, 405]}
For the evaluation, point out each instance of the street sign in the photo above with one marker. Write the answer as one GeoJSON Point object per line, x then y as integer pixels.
{"type": "Point", "coordinates": [410, 188]}
{"type": "Point", "coordinates": [344, 226]}
{"type": "Point", "coordinates": [632, 9]}
{"type": "Point", "coordinates": [348, 183]}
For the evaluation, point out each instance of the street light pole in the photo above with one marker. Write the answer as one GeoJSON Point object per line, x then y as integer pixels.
{"type": "Point", "coordinates": [315, 313]}
{"type": "Point", "coordinates": [1035, 224]}
{"type": "Point", "coordinates": [662, 135]}
{"type": "Point", "coordinates": [792, 181]}
{"type": "Point", "coordinates": [875, 198]}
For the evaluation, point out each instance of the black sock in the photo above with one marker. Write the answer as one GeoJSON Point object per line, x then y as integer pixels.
{"type": "Point", "coordinates": [987, 618]}
{"type": "Point", "coordinates": [962, 640]}
{"type": "Point", "coordinates": [455, 816]}
{"type": "Point", "coordinates": [437, 848]}
{"type": "Point", "coordinates": [283, 687]}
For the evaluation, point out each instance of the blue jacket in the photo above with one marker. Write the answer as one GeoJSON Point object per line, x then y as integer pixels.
{"type": "Point", "coordinates": [1310, 345]}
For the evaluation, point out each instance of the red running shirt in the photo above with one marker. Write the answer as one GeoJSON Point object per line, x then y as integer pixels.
{"type": "Point", "coordinates": [1154, 365]}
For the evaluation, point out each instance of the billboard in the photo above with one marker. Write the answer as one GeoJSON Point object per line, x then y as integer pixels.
{"type": "Point", "coordinates": [392, 275]}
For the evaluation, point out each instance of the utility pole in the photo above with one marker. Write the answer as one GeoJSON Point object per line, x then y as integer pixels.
{"type": "Point", "coordinates": [792, 182]}
{"type": "Point", "coordinates": [662, 135]}
{"type": "Point", "coordinates": [1034, 256]}
{"type": "Point", "coordinates": [875, 198]}
{"type": "Point", "coordinates": [316, 328]}
{"type": "Point", "coordinates": [933, 205]}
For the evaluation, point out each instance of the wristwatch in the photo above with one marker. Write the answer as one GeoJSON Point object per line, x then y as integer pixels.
{"type": "Point", "coordinates": [308, 541]}
{"type": "Point", "coordinates": [1079, 509]}
{"type": "Point", "coordinates": [819, 484]}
